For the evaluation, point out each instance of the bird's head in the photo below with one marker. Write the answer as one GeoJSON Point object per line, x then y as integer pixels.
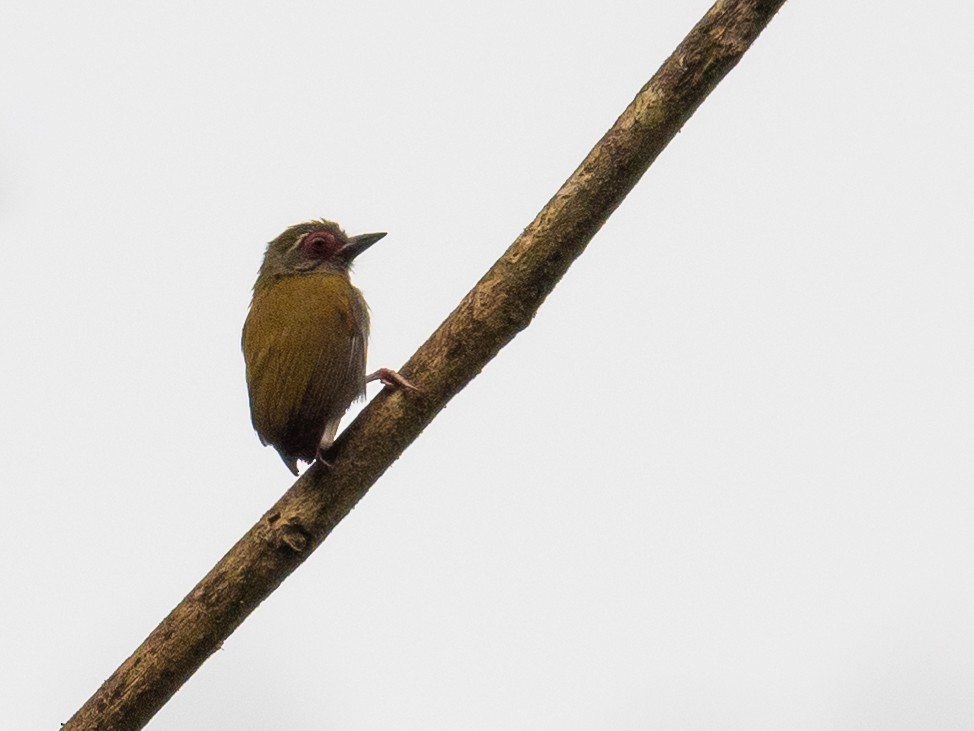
{"type": "Point", "coordinates": [312, 247]}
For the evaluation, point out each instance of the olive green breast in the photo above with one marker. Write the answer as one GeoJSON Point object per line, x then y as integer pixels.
{"type": "Point", "coordinates": [304, 344]}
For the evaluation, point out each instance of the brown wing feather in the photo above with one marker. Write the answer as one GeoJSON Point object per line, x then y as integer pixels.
{"type": "Point", "coordinates": [304, 344]}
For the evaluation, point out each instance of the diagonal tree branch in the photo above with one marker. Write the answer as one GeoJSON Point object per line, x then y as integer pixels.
{"type": "Point", "coordinates": [501, 304]}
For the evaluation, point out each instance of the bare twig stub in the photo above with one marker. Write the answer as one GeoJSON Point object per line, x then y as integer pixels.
{"type": "Point", "coordinates": [495, 310]}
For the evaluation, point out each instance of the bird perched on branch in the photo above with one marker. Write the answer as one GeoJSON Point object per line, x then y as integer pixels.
{"type": "Point", "coordinates": [305, 338]}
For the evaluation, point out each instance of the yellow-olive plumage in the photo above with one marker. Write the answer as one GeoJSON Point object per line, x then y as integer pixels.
{"type": "Point", "coordinates": [304, 341]}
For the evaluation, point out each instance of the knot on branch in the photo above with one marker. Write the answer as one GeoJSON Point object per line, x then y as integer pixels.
{"type": "Point", "coordinates": [295, 536]}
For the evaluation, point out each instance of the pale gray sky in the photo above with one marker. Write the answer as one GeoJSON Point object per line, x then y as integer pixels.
{"type": "Point", "coordinates": [723, 481]}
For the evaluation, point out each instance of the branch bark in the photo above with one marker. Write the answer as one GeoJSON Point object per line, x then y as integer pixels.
{"type": "Point", "coordinates": [501, 304]}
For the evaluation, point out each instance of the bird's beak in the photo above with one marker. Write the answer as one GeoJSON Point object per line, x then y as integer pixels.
{"type": "Point", "coordinates": [357, 244]}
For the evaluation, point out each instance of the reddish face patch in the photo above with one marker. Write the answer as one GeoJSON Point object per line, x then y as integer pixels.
{"type": "Point", "coordinates": [320, 245]}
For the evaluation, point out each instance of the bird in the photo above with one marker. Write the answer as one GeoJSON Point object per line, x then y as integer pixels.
{"type": "Point", "coordinates": [305, 340]}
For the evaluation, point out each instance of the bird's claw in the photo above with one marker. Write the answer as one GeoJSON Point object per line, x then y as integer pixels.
{"type": "Point", "coordinates": [322, 457]}
{"type": "Point", "coordinates": [391, 378]}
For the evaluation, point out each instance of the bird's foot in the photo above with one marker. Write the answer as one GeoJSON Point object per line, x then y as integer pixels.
{"type": "Point", "coordinates": [322, 457]}
{"type": "Point", "coordinates": [391, 378]}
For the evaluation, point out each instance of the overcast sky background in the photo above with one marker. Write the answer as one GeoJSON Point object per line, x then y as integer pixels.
{"type": "Point", "coordinates": [725, 480]}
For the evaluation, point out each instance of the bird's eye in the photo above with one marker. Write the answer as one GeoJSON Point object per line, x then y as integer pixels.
{"type": "Point", "coordinates": [320, 244]}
